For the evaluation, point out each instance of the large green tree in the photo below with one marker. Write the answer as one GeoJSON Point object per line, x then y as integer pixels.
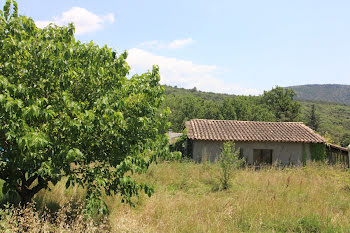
{"type": "Point", "coordinates": [68, 110]}
{"type": "Point", "coordinates": [281, 103]}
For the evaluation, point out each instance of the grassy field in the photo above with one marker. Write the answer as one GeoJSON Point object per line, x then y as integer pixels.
{"type": "Point", "coordinates": [188, 198]}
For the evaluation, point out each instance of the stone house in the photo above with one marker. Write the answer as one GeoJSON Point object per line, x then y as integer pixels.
{"type": "Point", "coordinates": [259, 142]}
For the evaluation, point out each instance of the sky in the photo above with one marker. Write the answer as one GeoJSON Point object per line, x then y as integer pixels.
{"type": "Point", "coordinates": [236, 47]}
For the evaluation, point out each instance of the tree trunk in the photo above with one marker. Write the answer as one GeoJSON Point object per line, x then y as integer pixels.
{"type": "Point", "coordinates": [26, 194]}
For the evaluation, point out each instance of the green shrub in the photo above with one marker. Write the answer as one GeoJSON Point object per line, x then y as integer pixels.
{"type": "Point", "coordinates": [229, 161]}
{"type": "Point", "coordinates": [183, 145]}
{"type": "Point", "coordinates": [318, 151]}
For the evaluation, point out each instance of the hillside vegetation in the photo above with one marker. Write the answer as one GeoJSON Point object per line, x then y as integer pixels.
{"type": "Point", "coordinates": [334, 120]}
{"type": "Point", "coordinates": [187, 104]}
{"type": "Point", "coordinates": [335, 93]}
{"type": "Point", "coordinates": [188, 198]}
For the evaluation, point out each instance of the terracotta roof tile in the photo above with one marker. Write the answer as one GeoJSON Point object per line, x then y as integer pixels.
{"type": "Point", "coordinates": [229, 130]}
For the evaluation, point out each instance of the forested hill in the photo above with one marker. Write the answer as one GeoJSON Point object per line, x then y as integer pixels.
{"type": "Point", "coordinates": [186, 104]}
{"type": "Point", "coordinates": [335, 93]}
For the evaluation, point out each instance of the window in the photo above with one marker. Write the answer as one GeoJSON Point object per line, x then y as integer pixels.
{"type": "Point", "coordinates": [262, 156]}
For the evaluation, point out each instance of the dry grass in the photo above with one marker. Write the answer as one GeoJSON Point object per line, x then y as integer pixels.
{"type": "Point", "coordinates": [66, 219]}
{"type": "Point", "coordinates": [315, 198]}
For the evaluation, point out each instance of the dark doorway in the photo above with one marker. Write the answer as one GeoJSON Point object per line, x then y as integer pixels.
{"type": "Point", "coordinates": [262, 156]}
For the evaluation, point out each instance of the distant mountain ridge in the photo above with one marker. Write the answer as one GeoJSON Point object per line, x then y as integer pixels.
{"type": "Point", "coordinates": [336, 93]}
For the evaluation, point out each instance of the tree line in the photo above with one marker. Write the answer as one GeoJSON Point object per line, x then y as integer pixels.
{"type": "Point", "coordinates": [277, 104]}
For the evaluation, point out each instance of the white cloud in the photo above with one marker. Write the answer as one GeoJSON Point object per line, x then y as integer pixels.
{"type": "Point", "coordinates": [184, 73]}
{"type": "Point", "coordinates": [84, 20]}
{"type": "Point", "coordinates": [180, 43]}
{"type": "Point", "coordinates": [175, 44]}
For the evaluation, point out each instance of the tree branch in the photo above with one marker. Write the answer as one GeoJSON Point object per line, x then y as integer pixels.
{"type": "Point", "coordinates": [41, 184]}
{"type": "Point", "coordinates": [31, 180]}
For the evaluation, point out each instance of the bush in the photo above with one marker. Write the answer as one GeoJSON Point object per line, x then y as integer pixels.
{"type": "Point", "coordinates": [318, 151]}
{"type": "Point", "coordinates": [229, 161]}
{"type": "Point", "coordinates": [183, 145]}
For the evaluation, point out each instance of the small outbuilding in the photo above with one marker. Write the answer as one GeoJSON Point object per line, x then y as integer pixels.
{"type": "Point", "coordinates": [260, 142]}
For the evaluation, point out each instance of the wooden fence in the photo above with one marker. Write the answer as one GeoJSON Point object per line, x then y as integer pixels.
{"type": "Point", "coordinates": [337, 155]}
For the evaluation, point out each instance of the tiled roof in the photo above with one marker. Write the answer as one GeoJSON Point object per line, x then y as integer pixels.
{"type": "Point", "coordinates": [229, 130]}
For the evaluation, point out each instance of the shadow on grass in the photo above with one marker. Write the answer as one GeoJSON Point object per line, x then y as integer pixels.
{"type": "Point", "coordinates": [52, 208]}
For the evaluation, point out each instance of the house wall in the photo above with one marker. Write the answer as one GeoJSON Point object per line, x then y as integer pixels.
{"type": "Point", "coordinates": [284, 153]}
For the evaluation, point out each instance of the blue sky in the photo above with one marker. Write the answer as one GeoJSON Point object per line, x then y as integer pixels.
{"type": "Point", "coordinates": [239, 47]}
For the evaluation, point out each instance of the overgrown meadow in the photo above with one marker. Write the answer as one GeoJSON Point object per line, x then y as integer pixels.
{"type": "Point", "coordinates": [189, 198]}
